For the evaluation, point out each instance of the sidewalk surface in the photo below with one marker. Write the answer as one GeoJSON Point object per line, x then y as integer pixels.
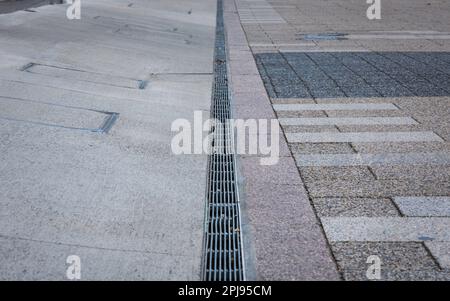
{"type": "Point", "coordinates": [365, 109]}
{"type": "Point", "coordinates": [9, 6]}
{"type": "Point", "coordinates": [120, 200]}
{"type": "Point", "coordinates": [86, 166]}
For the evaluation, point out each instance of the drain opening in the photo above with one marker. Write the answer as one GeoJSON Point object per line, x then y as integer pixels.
{"type": "Point", "coordinates": [222, 258]}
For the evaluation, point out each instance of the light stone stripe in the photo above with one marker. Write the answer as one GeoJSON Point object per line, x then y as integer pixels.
{"type": "Point", "coordinates": [405, 36]}
{"type": "Point", "coordinates": [258, 12]}
{"type": "Point", "coordinates": [373, 159]}
{"type": "Point", "coordinates": [282, 44]}
{"type": "Point", "coordinates": [348, 121]}
{"type": "Point", "coordinates": [424, 206]}
{"type": "Point", "coordinates": [441, 252]}
{"type": "Point", "coordinates": [334, 106]}
{"type": "Point", "coordinates": [387, 228]}
{"type": "Point", "coordinates": [326, 137]}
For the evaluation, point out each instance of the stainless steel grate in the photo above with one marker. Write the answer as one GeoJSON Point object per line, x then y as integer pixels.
{"type": "Point", "coordinates": [222, 260]}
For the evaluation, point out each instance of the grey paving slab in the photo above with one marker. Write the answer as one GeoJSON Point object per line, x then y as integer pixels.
{"type": "Point", "coordinates": [353, 74]}
{"type": "Point", "coordinates": [441, 252]}
{"type": "Point", "coordinates": [399, 261]}
{"type": "Point", "coordinates": [424, 206]}
{"type": "Point", "coordinates": [335, 106]}
{"type": "Point", "coordinates": [373, 159]}
{"type": "Point", "coordinates": [23, 110]}
{"type": "Point", "coordinates": [386, 228]}
{"type": "Point", "coordinates": [362, 137]}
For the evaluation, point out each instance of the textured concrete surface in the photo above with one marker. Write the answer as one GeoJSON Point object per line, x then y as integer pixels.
{"type": "Point", "coordinates": [9, 6]}
{"type": "Point", "coordinates": [326, 66]}
{"type": "Point", "coordinates": [423, 206]}
{"type": "Point", "coordinates": [121, 201]}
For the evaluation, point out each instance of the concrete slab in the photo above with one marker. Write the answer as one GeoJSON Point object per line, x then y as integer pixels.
{"type": "Point", "coordinates": [399, 261]}
{"type": "Point", "coordinates": [26, 111]}
{"type": "Point", "coordinates": [424, 206]}
{"type": "Point", "coordinates": [81, 75]}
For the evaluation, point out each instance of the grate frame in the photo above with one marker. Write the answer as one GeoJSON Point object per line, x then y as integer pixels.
{"type": "Point", "coordinates": [223, 258]}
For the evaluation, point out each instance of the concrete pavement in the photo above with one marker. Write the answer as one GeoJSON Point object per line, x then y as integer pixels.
{"type": "Point", "coordinates": [86, 108]}
{"type": "Point", "coordinates": [9, 6]}
{"type": "Point", "coordinates": [120, 200]}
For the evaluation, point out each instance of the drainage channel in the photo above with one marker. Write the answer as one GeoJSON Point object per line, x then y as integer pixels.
{"type": "Point", "coordinates": [222, 257]}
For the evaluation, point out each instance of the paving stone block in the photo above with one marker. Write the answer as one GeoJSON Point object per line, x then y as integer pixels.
{"type": "Point", "coordinates": [352, 207]}
{"type": "Point", "coordinates": [424, 206]}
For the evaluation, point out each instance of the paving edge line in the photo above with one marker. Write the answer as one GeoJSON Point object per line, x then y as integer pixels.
{"type": "Point", "coordinates": [283, 238]}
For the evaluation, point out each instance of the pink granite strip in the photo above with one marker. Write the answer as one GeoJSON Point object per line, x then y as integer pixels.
{"type": "Point", "coordinates": [282, 235]}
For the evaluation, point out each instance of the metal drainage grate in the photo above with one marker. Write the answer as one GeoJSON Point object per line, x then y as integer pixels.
{"type": "Point", "coordinates": [222, 258]}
